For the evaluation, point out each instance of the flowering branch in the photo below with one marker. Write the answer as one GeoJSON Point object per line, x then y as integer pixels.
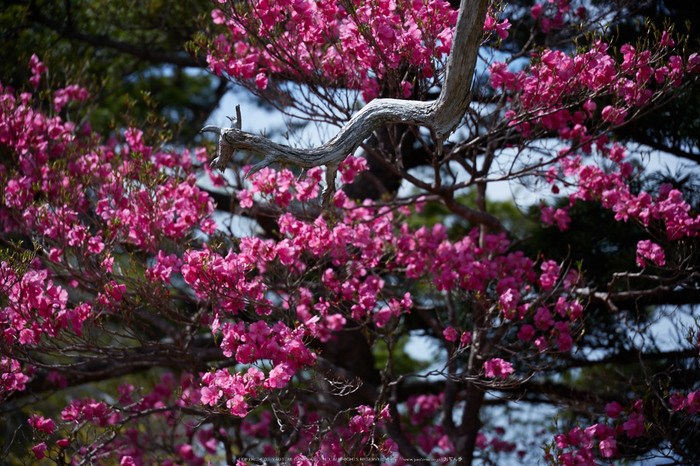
{"type": "Point", "coordinates": [442, 115]}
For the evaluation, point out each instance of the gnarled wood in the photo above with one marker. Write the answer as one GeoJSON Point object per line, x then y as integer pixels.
{"type": "Point", "coordinates": [442, 116]}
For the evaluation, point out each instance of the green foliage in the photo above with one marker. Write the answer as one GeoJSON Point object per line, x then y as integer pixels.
{"type": "Point", "coordinates": [401, 362]}
{"type": "Point", "coordinates": [119, 50]}
{"type": "Point", "coordinates": [602, 244]}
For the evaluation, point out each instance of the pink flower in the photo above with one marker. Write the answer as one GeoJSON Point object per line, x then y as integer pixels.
{"type": "Point", "coordinates": [608, 448]}
{"type": "Point", "coordinates": [498, 368]}
{"type": "Point", "coordinates": [63, 443]}
{"type": "Point", "coordinates": [509, 300]}
{"type": "Point", "coordinates": [615, 116]}
{"type": "Point", "coordinates": [502, 29]}
{"type": "Point", "coordinates": [692, 403]}
{"type": "Point", "coordinates": [543, 318]}
{"type": "Point", "coordinates": [39, 450]}
{"type": "Point", "coordinates": [42, 424]}
{"type": "Point", "coordinates": [55, 255]}
{"type": "Point", "coordinates": [115, 290]}
{"type": "Point", "coordinates": [245, 354]}
{"type": "Point", "coordinates": [564, 342]}
{"type": "Point", "coordinates": [286, 252]}
{"type": "Point", "coordinates": [134, 137]}
{"type": "Point", "coordinates": [406, 89]}
{"type": "Point", "coordinates": [536, 10]}
{"type": "Point", "coordinates": [238, 406]}
{"type": "Point", "coordinates": [613, 409]}
{"type": "Point", "coordinates": [246, 198]}
{"type": "Point", "coordinates": [526, 332]}
{"type": "Point", "coordinates": [185, 452]}
{"type": "Point", "coordinates": [562, 441]}
{"type": "Point", "coordinates": [95, 244]}
{"type": "Point", "coordinates": [575, 436]}
{"type": "Point", "coordinates": [279, 376]}
{"type": "Point", "coordinates": [481, 441]}
{"type": "Point", "coordinates": [350, 167]}
{"type": "Point", "coordinates": [382, 316]}
{"type": "Point", "coordinates": [210, 396]}
{"type": "Point", "coordinates": [590, 107]}
{"type": "Point", "coordinates": [364, 421]}
{"type": "Point", "coordinates": [108, 262]}
{"type": "Point", "coordinates": [27, 336]}
{"type": "Point", "coordinates": [652, 251]}
{"type": "Point", "coordinates": [634, 426]}
{"type": "Point", "coordinates": [550, 274]}
{"type": "Point", "coordinates": [694, 62]}
{"type": "Point", "coordinates": [450, 334]}
{"type": "Point", "coordinates": [466, 338]}
{"type": "Point", "coordinates": [562, 218]}
{"type": "Point", "coordinates": [261, 81]}
{"type": "Point", "coordinates": [666, 40]}
{"type": "Point", "coordinates": [677, 400]}
{"type": "Point", "coordinates": [541, 343]}
{"type": "Point", "coordinates": [38, 68]}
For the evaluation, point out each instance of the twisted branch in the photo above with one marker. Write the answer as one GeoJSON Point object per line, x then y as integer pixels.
{"type": "Point", "coordinates": [442, 116]}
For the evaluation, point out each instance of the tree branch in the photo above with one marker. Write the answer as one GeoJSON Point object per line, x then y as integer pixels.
{"type": "Point", "coordinates": [442, 115]}
{"type": "Point", "coordinates": [182, 60]}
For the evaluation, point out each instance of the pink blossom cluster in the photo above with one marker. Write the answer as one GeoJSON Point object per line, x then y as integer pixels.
{"type": "Point", "coordinates": [282, 187]}
{"type": "Point", "coordinates": [164, 267]}
{"type": "Point", "coordinates": [550, 215]}
{"type": "Point", "coordinates": [651, 251]}
{"type": "Point", "coordinates": [365, 421]}
{"type": "Point", "coordinates": [689, 403]}
{"type": "Point", "coordinates": [38, 68]}
{"type": "Point", "coordinates": [70, 93]}
{"type": "Point", "coordinates": [283, 347]}
{"type": "Point", "coordinates": [144, 217]}
{"type": "Point", "coordinates": [12, 377]}
{"type": "Point", "coordinates": [557, 76]}
{"type": "Point", "coordinates": [583, 446]}
{"type": "Point", "coordinates": [259, 320]}
{"type": "Point", "coordinates": [612, 189]}
{"type": "Point", "coordinates": [359, 47]}
{"type": "Point", "coordinates": [497, 367]}
{"type": "Point", "coordinates": [321, 324]}
{"type": "Point", "coordinates": [34, 307]}
{"type": "Point", "coordinates": [429, 436]}
{"type": "Point", "coordinates": [351, 438]}
{"type": "Point", "coordinates": [492, 24]}
{"type": "Point", "coordinates": [544, 93]}
{"type": "Point", "coordinates": [89, 410]}
{"type": "Point", "coordinates": [559, 331]}
{"type": "Point", "coordinates": [239, 282]}
{"type": "Point", "coordinates": [464, 264]}
{"type": "Point", "coordinates": [140, 213]}
{"type": "Point", "coordinates": [42, 424]}
{"type": "Point", "coordinates": [235, 280]}
{"type": "Point", "coordinates": [162, 402]}
{"type": "Point", "coordinates": [56, 179]}
{"type": "Point", "coordinates": [555, 14]}
{"type": "Point", "coordinates": [496, 444]}
{"type": "Point", "coordinates": [350, 167]}
{"type": "Point", "coordinates": [578, 446]}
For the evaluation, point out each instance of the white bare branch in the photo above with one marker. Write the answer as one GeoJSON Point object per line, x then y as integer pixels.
{"type": "Point", "coordinates": [442, 116]}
